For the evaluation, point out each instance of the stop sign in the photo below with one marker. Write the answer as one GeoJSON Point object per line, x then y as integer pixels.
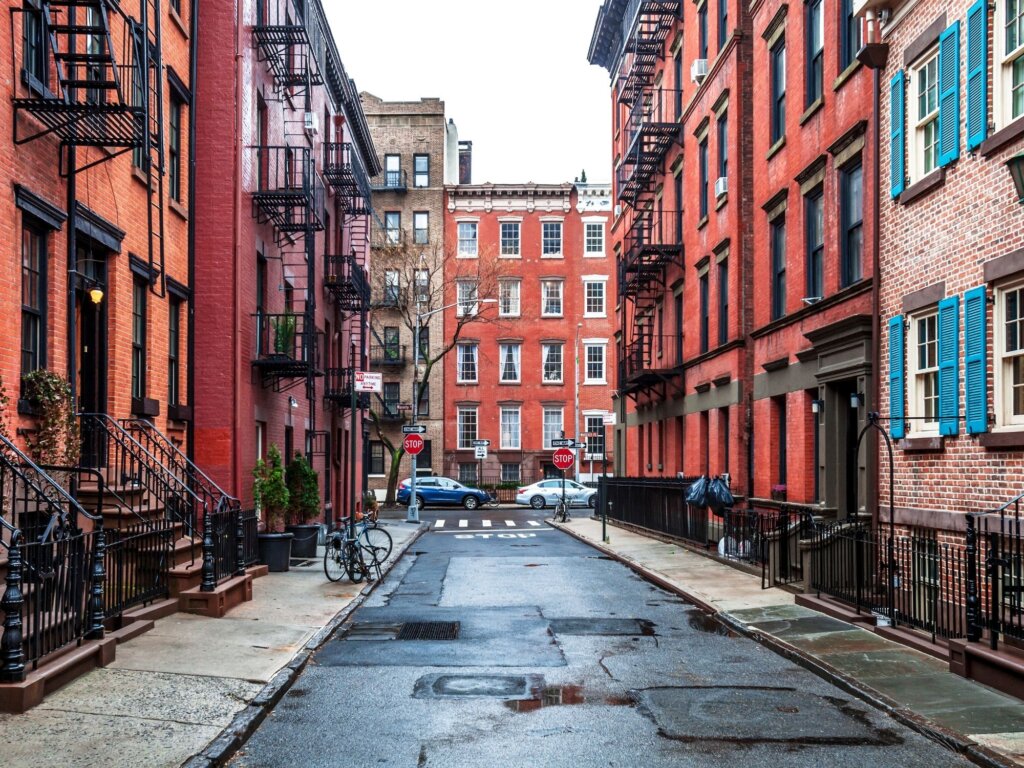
{"type": "Point", "coordinates": [563, 458]}
{"type": "Point", "coordinates": [413, 444]}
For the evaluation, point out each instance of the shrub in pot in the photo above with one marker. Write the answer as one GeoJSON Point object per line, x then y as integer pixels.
{"type": "Point", "coordinates": [303, 505]}
{"type": "Point", "coordinates": [271, 495]}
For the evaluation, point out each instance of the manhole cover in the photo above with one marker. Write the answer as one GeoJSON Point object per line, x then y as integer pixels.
{"type": "Point", "coordinates": [429, 630]}
{"type": "Point", "coordinates": [474, 686]}
{"type": "Point", "coordinates": [588, 626]}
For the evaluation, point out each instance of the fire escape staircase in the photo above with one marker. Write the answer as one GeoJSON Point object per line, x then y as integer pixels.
{"type": "Point", "coordinates": [289, 40]}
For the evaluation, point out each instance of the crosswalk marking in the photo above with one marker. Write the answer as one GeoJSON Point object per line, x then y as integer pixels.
{"type": "Point", "coordinates": [534, 523]}
{"type": "Point", "coordinates": [463, 523]}
{"type": "Point", "coordinates": [485, 523]}
{"type": "Point", "coordinates": [439, 524]}
{"type": "Point", "coordinates": [510, 523]}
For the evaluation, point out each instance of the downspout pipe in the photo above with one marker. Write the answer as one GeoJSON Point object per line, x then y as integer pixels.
{"type": "Point", "coordinates": [236, 308]}
{"type": "Point", "coordinates": [193, 87]}
{"type": "Point", "coordinates": [876, 302]}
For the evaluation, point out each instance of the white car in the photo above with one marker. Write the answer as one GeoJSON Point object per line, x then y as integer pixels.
{"type": "Point", "coordinates": [547, 493]}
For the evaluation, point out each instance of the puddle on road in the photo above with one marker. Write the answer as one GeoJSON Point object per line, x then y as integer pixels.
{"type": "Point", "coordinates": [705, 622]}
{"type": "Point", "coordinates": [566, 695]}
{"type": "Point", "coordinates": [535, 565]}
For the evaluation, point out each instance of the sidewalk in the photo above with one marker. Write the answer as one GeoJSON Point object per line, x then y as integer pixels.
{"type": "Point", "coordinates": [917, 689]}
{"type": "Point", "coordinates": [191, 680]}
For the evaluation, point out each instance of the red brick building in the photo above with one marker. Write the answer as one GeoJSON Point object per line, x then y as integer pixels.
{"type": "Point", "coordinates": [539, 362]}
{"type": "Point", "coordinates": [283, 197]}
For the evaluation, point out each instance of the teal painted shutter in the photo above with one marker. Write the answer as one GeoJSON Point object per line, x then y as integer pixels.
{"type": "Point", "coordinates": [949, 353]}
{"type": "Point", "coordinates": [975, 375]}
{"type": "Point", "coordinates": [949, 94]}
{"type": "Point", "coordinates": [897, 422]}
{"type": "Point", "coordinates": [897, 172]}
{"type": "Point", "coordinates": [977, 72]}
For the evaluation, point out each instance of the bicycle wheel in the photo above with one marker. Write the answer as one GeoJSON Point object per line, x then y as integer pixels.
{"type": "Point", "coordinates": [561, 512]}
{"type": "Point", "coordinates": [334, 564]}
{"type": "Point", "coordinates": [355, 567]}
{"type": "Point", "coordinates": [376, 544]}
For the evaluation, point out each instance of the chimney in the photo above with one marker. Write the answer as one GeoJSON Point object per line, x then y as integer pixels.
{"type": "Point", "coordinates": [465, 162]}
{"type": "Point", "coordinates": [451, 153]}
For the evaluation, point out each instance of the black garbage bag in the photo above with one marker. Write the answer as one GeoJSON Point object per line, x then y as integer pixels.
{"type": "Point", "coordinates": [719, 496]}
{"type": "Point", "coordinates": [697, 493]}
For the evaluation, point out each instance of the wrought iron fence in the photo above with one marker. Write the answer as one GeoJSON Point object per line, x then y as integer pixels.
{"type": "Point", "coordinates": [137, 562]}
{"type": "Point", "coordinates": [250, 522]}
{"type": "Point", "coordinates": [657, 504]}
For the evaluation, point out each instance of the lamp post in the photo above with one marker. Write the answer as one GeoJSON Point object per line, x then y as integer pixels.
{"type": "Point", "coordinates": [576, 396]}
{"type": "Point", "coordinates": [413, 513]}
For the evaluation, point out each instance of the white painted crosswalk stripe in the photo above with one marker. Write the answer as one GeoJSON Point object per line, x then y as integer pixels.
{"type": "Point", "coordinates": [510, 523]}
{"type": "Point", "coordinates": [485, 523]}
{"type": "Point", "coordinates": [534, 523]}
{"type": "Point", "coordinates": [439, 524]}
{"type": "Point", "coordinates": [463, 523]}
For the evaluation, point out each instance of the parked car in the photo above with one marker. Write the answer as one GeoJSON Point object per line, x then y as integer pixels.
{"type": "Point", "coordinates": [441, 491]}
{"type": "Point", "coordinates": [547, 493]}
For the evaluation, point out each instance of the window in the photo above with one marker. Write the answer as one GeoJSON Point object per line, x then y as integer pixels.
{"type": "Point", "coordinates": [510, 473]}
{"type": "Point", "coordinates": [426, 457]}
{"type": "Point", "coordinates": [509, 363]}
{"type": "Point", "coordinates": [815, 244]}
{"type": "Point", "coordinates": [926, 117]}
{"type": "Point", "coordinates": [552, 425]}
{"type": "Point", "coordinates": [467, 298]}
{"type": "Point", "coordinates": [467, 473]}
{"type": "Point", "coordinates": [702, 155]}
{"type": "Point", "coordinates": [510, 238]}
{"type": "Point", "coordinates": [551, 238]}
{"type": "Point", "coordinates": [778, 235]}
{"type": "Point", "coordinates": [1010, 353]}
{"type": "Point", "coordinates": [924, 354]}
{"type": "Point", "coordinates": [392, 227]}
{"type": "Point", "coordinates": [552, 361]}
{"type": "Point", "coordinates": [422, 277]}
{"type": "Point", "coordinates": [595, 436]}
{"type": "Point", "coordinates": [139, 290]}
{"type": "Point", "coordinates": [595, 363]}
{"type": "Point", "coordinates": [376, 457]}
{"type": "Point", "coordinates": [849, 40]}
{"type": "Point", "coordinates": [174, 352]}
{"type": "Point", "coordinates": [723, 23]}
{"type": "Point", "coordinates": [392, 287]}
{"type": "Point", "coordinates": [261, 284]}
{"type": "Point", "coordinates": [392, 171]}
{"type": "Point", "coordinates": [467, 239]}
{"type": "Point", "coordinates": [35, 67]}
{"type": "Point", "coordinates": [551, 298]}
{"type": "Point", "coordinates": [421, 170]}
{"type": "Point", "coordinates": [594, 295]}
{"type": "Point", "coordinates": [508, 298]}
{"type": "Point", "coordinates": [704, 298]}
{"type": "Point", "coordinates": [174, 150]}
{"type": "Point", "coordinates": [392, 347]}
{"type": "Point", "coordinates": [593, 238]}
{"type": "Point", "coordinates": [677, 83]}
{"type": "Point", "coordinates": [702, 30]}
{"type": "Point", "coordinates": [723, 301]}
{"type": "Point", "coordinates": [33, 300]}
{"type": "Point", "coordinates": [421, 227]}
{"type": "Point", "coordinates": [423, 407]}
{"type": "Point", "coordinates": [466, 422]}
{"type": "Point", "coordinates": [94, 46]}
{"type": "Point", "coordinates": [815, 26]}
{"type": "Point", "coordinates": [510, 439]}
{"type": "Point", "coordinates": [778, 102]}
{"type": "Point", "coordinates": [851, 202]}
{"type": "Point", "coordinates": [392, 396]}
{"type": "Point", "coordinates": [1008, 72]}
{"type": "Point", "coordinates": [467, 363]}
{"type": "Point", "coordinates": [723, 145]}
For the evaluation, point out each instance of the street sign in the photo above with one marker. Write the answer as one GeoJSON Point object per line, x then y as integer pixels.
{"type": "Point", "coordinates": [414, 429]}
{"type": "Point", "coordinates": [593, 457]}
{"type": "Point", "coordinates": [563, 458]}
{"type": "Point", "coordinates": [405, 406]}
{"type": "Point", "coordinates": [481, 452]}
{"type": "Point", "coordinates": [413, 444]}
{"type": "Point", "coordinates": [481, 443]}
{"type": "Point", "coordinates": [369, 382]}
{"type": "Point", "coordinates": [562, 442]}
{"type": "Point", "coordinates": [609, 419]}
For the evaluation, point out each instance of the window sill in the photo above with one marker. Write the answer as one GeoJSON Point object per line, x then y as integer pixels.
{"type": "Point", "coordinates": [179, 412]}
{"type": "Point", "coordinates": [846, 74]}
{"type": "Point", "coordinates": [466, 256]}
{"type": "Point", "coordinates": [1002, 137]}
{"type": "Point", "coordinates": [511, 256]}
{"type": "Point", "coordinates": [595, 255]}
{"type": "Point", "coordinates": [722, 200]}
{"type": "Point", "coordinates": [138, 175]}
{"type": "Point", "coordinates": [775, 148]}
{"type": "Point", "coordinates": [28, 408]}
{"type": "Point", "coordinates": [509, 383]}
{"type": "Point", "coordinates": [145, 406]}
{"type": "Point", "coordinates": [595, 383]}
{"type": "Point", "coordinates": [552, 383]}
{"type": "Point", "coordinates": [590, 316]}
{"type": "Point", "coordinates": [178, 208]}
{"type": "Point", "coordinates": [551, 317]}
{"type": "Point", "coordinates": [552, 256]}
{"type": "Point", "coordinates": [921, 188]}
{"type": "Point", "coordinates": [922, 444]}
{"type": "Point", "coordinates": [1001, 440]}
{"type": "Point", "coordinates": [815, 105]}
{"type": "Point", "coordinates": [178, 22]}
{"type": "Point", "coordinates": [702, 222]}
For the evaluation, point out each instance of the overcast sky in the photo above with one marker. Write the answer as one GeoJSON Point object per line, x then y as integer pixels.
{"type": "Point", "coordinates": [514, 76]}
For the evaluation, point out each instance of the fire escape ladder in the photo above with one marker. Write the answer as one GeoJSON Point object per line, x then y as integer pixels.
{"type": "Point", "coordinates": [291, 46]}
{"type": "Point", "coordinates": [149, 47]}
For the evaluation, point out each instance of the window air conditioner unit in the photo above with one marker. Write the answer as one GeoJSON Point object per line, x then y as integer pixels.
{"type": "Point", "coordinates": [311, 124]}
{"type": "Point", "coordinates": [618, 210]}
{"type": "Point", "coordinates": [699, 70]}
{"type": "Point", "coordinates": [721, 186]}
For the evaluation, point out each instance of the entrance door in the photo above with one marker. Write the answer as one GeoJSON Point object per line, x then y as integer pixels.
{"type": "Point", "coordinates": [847, 429]}
{"type": "Point", "coordinates": [92, 348]}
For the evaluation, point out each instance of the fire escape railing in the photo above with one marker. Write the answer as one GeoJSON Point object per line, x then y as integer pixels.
{"type": "Point", "coordinates": [290, 42]}
{"type": "Point", "coordinates": [346, 280]}
{"type": "Point", "coordinates": [344, 171]}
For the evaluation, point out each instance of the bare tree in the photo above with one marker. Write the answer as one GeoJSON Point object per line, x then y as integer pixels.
{"type": "Point", "coordinates": [409, 284]}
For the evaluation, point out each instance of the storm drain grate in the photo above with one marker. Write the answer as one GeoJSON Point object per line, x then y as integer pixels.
{"type": "Point", "coordinates": [429, 630]}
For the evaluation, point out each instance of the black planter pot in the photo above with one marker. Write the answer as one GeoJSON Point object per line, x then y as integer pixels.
{"type": "Point", "coordinates": [304, 543]}
{"type": "Point", "coordinates": [275, 550]}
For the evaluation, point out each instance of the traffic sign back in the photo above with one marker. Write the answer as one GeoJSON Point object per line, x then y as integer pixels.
{"type": "Point", "coordinates": [563, 458]}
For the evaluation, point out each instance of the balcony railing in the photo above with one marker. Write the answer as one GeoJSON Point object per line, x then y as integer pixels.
{"type": "Point", "coordinates": [292, 46]}
{"type": "Point", "coordinates": [288, 192]}
{"type": "Point", "coordinates": [388, 412]}
{"type": "Point", "coordinates": [650, 358]}
{"type": "Point", "coordinates": [388, 354]}
{"type": "Point", "coordinates": [389, 238]}
{"type": "Point", "coordinates": [391, 181]}
{"type": "Point", "coordinates": [344, 170]}
{"type": "Point", "coordinates": [653, 122]}
{"type": "Point", "coordinates": [285, 344]}
{"type": "Point", "coordinates": [346, 280]}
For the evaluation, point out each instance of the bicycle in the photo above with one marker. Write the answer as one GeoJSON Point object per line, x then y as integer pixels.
{"type": "Point", "coordinates": [354, 551]}
{"type": "Point", "coordinates": [561, 512]}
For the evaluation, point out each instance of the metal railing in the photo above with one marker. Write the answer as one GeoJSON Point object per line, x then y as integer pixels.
{"type": "Point", "coordinates": [657, 504]}
{"type": "Point", "coordinates": [284, 340]}
{"type": "Point", "coordinates": [137, 563]}
{"type": "Point", "coordinates": [346, 279]}
{"type": "Point", "coordinates": [344, 170]}
{"type": "Point", "coordinates": [656, 111]}
{"type": "Point", "coordinates": [652, 354]}
{"type": "Point", "coordinates": [388, 354]}
{"type": "Point", "coordinates": [250, 521]}
{"type": "Point", "coordinates": [392, 181]}
{"type": "Point", "coordinates": [229, 545]}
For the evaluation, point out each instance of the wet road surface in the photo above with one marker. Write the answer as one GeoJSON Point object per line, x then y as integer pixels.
{"type": "Point", "coordinates": [503, 642]}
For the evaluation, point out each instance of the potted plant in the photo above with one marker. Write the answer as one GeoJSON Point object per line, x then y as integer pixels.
{"type": "Point", "coordinates": [778, 492]}
{"type": "Point", "coordinates": [303, 505]}
{"type": "Point", "coordinates": [57, 438]}
{"type": "Point", "coordinates": [271, 495]}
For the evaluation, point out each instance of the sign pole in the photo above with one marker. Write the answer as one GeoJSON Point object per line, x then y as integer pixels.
{"type": "Point", "coordinates": [413, 513]}
{"type": "Point", "coordinates": [352, 456]}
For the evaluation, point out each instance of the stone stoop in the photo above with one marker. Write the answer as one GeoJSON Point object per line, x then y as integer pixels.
{"type": "Point", "coordinates": [1002, 669]}
{"type": "Point", "coordinates": [215, 604]}
{"type": "Point", "coordinates": [57, 671]}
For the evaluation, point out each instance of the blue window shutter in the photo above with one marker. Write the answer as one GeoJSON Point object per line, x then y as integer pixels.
{"type": "Point", "coordinates": [949, 94]}
{"type": "Point", "coordinates": [897, 422]}
{"type": "Point", "coordinates": [949, 354]}
{"type": "Point", "coordinates": [977, 76]}
{"type": "Point", "coordinates": [897, 117]}
{"type": "Point", "coordinates": [975, 375]}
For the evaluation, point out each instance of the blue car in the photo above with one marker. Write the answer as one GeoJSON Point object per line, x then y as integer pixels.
{"type": "Point", "coordinates": [441, 491]}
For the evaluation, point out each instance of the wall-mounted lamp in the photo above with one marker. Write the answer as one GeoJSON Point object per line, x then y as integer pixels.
{"type": "Point", "coordinates": [1016, 167]}
{"type": "Point", "coordinates": [96, 295]}
{"type": "Point", "coordinates": [292, 402]}
{"type": "Point", "coordinates": [817, 406]}
{"type": "Point", "coordinates": [856, 399]}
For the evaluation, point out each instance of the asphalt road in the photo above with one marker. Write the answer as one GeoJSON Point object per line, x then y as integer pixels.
{"type": "Point", "coordinates": [560, 657]}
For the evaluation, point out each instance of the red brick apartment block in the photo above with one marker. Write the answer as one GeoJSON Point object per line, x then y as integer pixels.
{"type": "Point", "coordinates": [284, 157]}
{"type": "Point", "coordinates": [951, 255]}
{"type": "Point", "coordinates": [540, 361]}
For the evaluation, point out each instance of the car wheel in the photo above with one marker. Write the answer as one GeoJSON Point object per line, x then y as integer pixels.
{"type": "Point", "coordinates": [471, 502]}
{"type": "Point", "coordinates": [537, 502]}
{"type": "Point", "coordinates": [592, 501]}
{"type": "Point", "coordinates": [420, 503]}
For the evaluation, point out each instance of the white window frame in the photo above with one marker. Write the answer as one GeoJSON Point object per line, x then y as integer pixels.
{"type": "Point", "coordinates": [552, 434]}
{"type": "Point", "coordinates": [518, 224]}
{"type": "Point", "coordinates": [516, 443]}
{"type": "Point", "coordinates": [464, 410]}
{"type": "Point", "coordinates": [464, 251]}
{"type": "Point", "coordinates": [515, 349]}
{"type": "Point", "coordinates": [919, 123]}
{"type": "Point", "coordinates": [467, 352]}
{"type": "Point", "coordinates": [1002, 365]}
{"type": "Point", "coordinates": [544, 298]}
{"type": "Point", "coordinates": [550, 345]}
{"type": "Point", "coordinates": [467, 302]}
{"type": "Point", "coordinates": [594, 419]}
{"type": "Point", "coordinates": [602, 282]}
{"type": "Point", "coordinates": [597, 253]}
{"type": "Point", "coordinates": [916, 388]}
{"type": "Point", "coordinates": [510, 294]}
{"type": "Point", "coordinates": [595, 344]}
{"type": "Point", "coordinates": [544, 224]}
{"type": "Point", "coordinates": [1003, 61]}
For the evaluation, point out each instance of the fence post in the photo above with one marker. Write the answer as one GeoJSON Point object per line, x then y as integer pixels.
{"type": "Point", "coordinates": [239, 543]}
{"type": "Point", "coordinates": [11, 652]}
{"type": "Point", "coordinates": [973, 619]}
{"type": "Point", "coordinates": [209, 583]}
{"type": "Point", "coordinates": [993, 563]}
{"type": "Point", "coordinates": [94, 630]}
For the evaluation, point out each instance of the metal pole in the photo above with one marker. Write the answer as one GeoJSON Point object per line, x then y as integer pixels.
{"type": "Point", "coordinates": [576, 403]}
{"type": "Point", "coordinates": [352, 450]}
{"type": "Point", "coordinates": [413, 513]}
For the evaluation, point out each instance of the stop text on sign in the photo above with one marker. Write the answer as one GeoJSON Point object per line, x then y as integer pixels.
{"type": "Point", "coordinates": [563, 458]}
{"type": "Point", "coordinates": [413, 444]}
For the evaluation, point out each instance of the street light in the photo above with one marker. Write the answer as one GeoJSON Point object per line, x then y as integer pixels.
{"type": "Point", "coordinates": [413, 513]}
{"type": "Point", "coordinates": [576, 395]}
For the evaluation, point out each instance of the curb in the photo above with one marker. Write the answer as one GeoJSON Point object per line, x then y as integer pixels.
{"type": "Point", "coordinates": [224, 746]}
{"type": "Point", "coordinates": [955, 742]}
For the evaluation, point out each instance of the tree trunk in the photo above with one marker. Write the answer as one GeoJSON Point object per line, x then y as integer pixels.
{"type": "Point", "coordinates": [396, 463]}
